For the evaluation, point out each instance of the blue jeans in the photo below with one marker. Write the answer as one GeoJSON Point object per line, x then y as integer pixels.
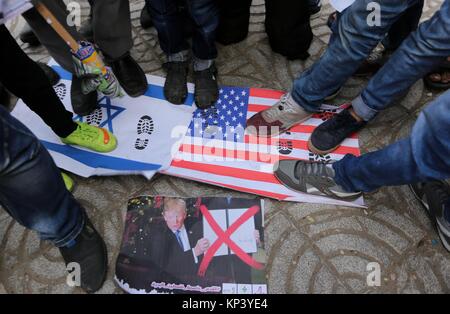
{"type": "Point", "coordinates": [351, 42]}
{"type": "Point", "coordinates": [420, 53]}
{"type": "Point", "coordinates": [31, 187]}
{"type": "Point", "coordinates": [422, 157]}
{"type": "Point", "coordinates": [170, 26]}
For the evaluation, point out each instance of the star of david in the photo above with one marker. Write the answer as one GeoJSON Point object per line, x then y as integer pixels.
{"type": "Point", "coordinates": [111, 113]}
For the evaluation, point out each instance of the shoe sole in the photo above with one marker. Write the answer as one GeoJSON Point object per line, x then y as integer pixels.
{"type": "Point", "coordinates": [145, 125]}
{"type": "Point", "coordinates": [317, 151]}
{"type": "Point", "coordinates": [424, 205]}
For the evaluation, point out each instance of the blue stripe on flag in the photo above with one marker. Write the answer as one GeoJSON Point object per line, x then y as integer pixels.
{"type": "Point", "coordinates": [153, 91]}
{"type": "Point", "coordinates": [156, 91]}
{"type": "Point", "coordinates": [96, 160]}
{"type": "Point", "coordinates": [65, 75]}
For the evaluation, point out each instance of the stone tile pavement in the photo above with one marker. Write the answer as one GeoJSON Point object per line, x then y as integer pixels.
{"type": "Point", "coordinates": [310, 248]}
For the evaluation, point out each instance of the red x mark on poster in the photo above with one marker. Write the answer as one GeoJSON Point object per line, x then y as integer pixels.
{"type": "Point", "coordinates": [224, 237]}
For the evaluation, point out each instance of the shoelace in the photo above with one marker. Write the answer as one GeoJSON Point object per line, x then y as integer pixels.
{"type": "Point", "coordinates": [376, 54]}
{"type": "Point", "coordinates": [343, 118]}
{"type": "Point", "coordinates": [272, 114]}
{"type": "Point", "coordinates": [316, 169]}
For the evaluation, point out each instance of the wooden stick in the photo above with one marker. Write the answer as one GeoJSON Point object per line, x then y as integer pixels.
{"type": "Point", "coordinates": [94, 59]}
{"type": "Point", "coordinates": [57, 26]}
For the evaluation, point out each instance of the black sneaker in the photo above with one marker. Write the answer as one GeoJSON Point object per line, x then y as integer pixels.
{"type": "Point", "coordinates": [316, 178]}
{"type": "Point", "coordinates": [206, 88]}
{"type": "Point", "coordinates": [89, 251]}
{"type": "Point", "coordinates": [175, 87]}
{"type": "Point", "coordinates": [82, 104]}
{"type": "Point", "coordinates": [52, 75]}
{"type": "Point", "coordinates": [330, 134]}
{"type": "Point", "coordinates": [435, 198]}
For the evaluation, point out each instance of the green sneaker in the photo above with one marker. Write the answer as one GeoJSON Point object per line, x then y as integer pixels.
{"type": "Point", "coordinates": [68, 182]}
{"type": "Point", "coordinates": [92, 137]}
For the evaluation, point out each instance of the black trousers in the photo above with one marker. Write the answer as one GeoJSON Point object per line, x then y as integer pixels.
{"type": "Point", "coordinates": [24, 78]}
{"type": "Point", "coordinates": [287, 25]}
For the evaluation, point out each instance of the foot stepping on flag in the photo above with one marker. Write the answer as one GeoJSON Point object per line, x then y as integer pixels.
{"type": "Point", "coordinates": [217, 151]}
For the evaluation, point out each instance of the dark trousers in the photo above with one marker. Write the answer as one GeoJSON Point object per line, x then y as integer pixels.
{"type": "Point", "coordinates": [25, 79]}
{"type": "Point", "coordinates": [288, 27]}
{"type": "Point", "coordinates": [170, 24]}
{"type": "Point", "coordinates": [110, 21]}
{"type": "Point", "coordinates": [234, 21]}
{"type": "Point", "coordinates": [31, 187]}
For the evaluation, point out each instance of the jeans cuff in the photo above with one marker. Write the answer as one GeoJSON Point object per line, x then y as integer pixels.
{"type": "Point", "coordinates": [362, 110]}
{"type": "Point", "coordinates": [178, 56]}
{"type": "Point", "coordinates": [339, 176]}
{"type": "Point", "coordinates": [299, 101]}
{"type": "Point", "coordinates": [72, 235]}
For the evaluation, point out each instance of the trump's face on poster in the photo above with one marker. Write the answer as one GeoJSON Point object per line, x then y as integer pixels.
{"type": "Point", "coordinates": [174, 213]}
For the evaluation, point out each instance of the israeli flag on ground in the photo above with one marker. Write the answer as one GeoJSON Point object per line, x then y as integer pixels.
{"type": "Point", "coordinates": [149, 131]}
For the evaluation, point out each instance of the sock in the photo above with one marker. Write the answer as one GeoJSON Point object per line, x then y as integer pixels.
{"type": "Point", "coordinates": [179, 56]}
{"type": "Point", "coordinates": [201, 65]}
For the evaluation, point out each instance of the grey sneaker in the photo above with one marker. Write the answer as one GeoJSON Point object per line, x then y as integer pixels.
{"type": "Point", "coordinates": [277, 119]}
{"type": "Point", "coordinates": [314, 178]}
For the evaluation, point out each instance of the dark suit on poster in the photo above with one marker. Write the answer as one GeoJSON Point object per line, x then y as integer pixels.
{"type": "Point", "coordinates": [230, 268]}
{"type": "Point", "coordinates": [156, 255]}
{"type": "Point", "coordinates": [166, 251]}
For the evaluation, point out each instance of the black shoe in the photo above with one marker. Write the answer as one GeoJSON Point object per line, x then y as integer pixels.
{"type": "Point", "coordinates": [130, 75]}
{"type": "Point", "coordinates": [315, 178]}
{"type": "Point", "coordinates": [28, 36]}
{"type": "Point", "coordinates": [145, 19]}
{"type": "Point", "coordinates": [82, 104]}
{"type": "Point", "coordinates": [89, 251]}
{"type": "Point", "coordinates": [330, 134]}
{"type": "Point", "coordinates": [51, 74]}
{"type": "Point", "coordinates": [86, 30]}
{"type": "Point", "coordinates": [206, 88]}
{"type": "Point", "coordinates": [435, 198]}
{"type": "Point", "coordinates": [175, 87]}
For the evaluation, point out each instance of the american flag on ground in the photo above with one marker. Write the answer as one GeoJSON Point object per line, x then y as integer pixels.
{"type": "Point", "coordinates": [217, 151]}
